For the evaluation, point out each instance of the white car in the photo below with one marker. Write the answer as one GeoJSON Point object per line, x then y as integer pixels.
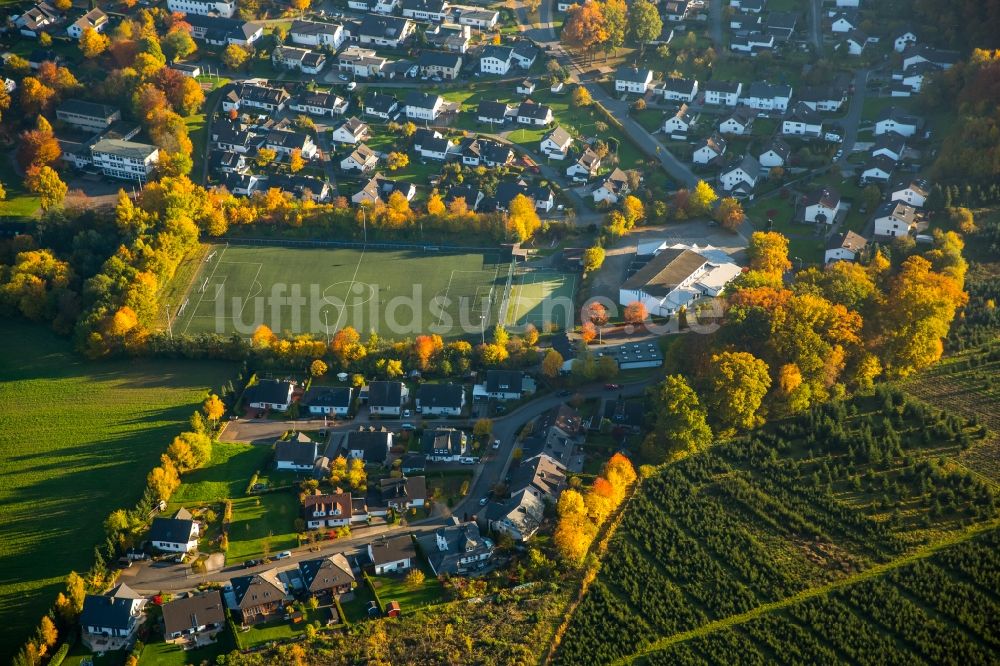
{"type": "Point", "coordinates": [496, 443]}
{"type": "Point", "coordinates": [285, 554]}
{"type": "Point", "coordinates": [343, 77]}
{"type": "Point", "coordinates": [352, 85]}
{"type": "Point", "coordinates": [484, 501]}
{"type": "Point", "coordinates": [406, 413]}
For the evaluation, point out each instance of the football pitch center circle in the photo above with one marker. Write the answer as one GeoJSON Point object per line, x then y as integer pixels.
{"type": "Point", "coordinates": [372, 292]}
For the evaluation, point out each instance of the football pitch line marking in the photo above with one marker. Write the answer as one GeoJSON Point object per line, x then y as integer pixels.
{"type": "Point", "coordinates": [250, 289]}
{"type": "Point", "coordinates": [202, 297]}
{"type": "Point", "coordinates": [343, 307]}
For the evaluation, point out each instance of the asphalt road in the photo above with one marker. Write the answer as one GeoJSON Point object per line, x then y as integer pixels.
{"type": "Point", "coordinates": [150, 578]}
{"type": "Point", "coordinates": [546, 37]}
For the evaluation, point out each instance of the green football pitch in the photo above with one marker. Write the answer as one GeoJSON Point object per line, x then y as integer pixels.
{"type": "Point", "coordinates": [293, 290]}
{"type": "Point", "coordinates": [540, 297]}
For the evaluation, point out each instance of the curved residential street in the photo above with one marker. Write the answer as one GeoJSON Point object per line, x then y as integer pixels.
{"type": "Point", "coordinates": [165, 576]}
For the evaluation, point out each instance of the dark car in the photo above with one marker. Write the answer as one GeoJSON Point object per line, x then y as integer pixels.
{"type": "Point", "coordinates": [612, 387]}
{"type": "Point", "coordinates": [564, 393]}
{"type": "Point", "coordinates": [250, 563]}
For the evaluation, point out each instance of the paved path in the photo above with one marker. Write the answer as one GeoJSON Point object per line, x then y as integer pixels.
{"type": "Point", "coordinates": [715, 23]}
{"type": "Point", "coordinates": [815, 12]}
{"type": "Point", "coordinates": [852, 119]}
{"type": "Point", "coordinates": [547, 39]}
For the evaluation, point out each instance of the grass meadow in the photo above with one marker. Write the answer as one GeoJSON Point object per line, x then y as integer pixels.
{"type": "Point", "coordinates": [76, 442]}
{"type": "Point", "coordinates": [240, 287]}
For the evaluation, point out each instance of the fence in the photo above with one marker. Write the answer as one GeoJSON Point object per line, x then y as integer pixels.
{"type": "Point", "coordinates": [358, 245]}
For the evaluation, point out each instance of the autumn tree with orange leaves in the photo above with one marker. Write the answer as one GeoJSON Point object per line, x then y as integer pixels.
{"type": "Point", "coordinates": [586, 27]}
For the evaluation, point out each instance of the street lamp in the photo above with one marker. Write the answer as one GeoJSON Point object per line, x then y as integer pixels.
{"type": "Point", "coordinates": [482, 328]}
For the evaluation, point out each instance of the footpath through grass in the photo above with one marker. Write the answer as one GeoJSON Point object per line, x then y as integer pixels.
{"type": "Point", "coordinates": [76, 442]}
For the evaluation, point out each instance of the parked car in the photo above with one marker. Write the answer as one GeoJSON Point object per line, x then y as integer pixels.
{"type": "Point", "coordinates": [352, 85]}
{"type": "Point", "coordinates": [408, 426]}
{"type": "Point", "coordinates": [496, 443]}
{"type": "Point", "coordinates": [249, 564]}
{"type": "Point", "coordinates": [612, 387]}
{"type": "Point", "coordinates": [484, 501]}
{"type": "Point", "coordinates": [564, 393]}
{"type": "Point", "coordinates": [406, 414]}
{"type": "Point", "coordinates": [285, 554]}
{"type": "Point", "coordinates": [343, 77]}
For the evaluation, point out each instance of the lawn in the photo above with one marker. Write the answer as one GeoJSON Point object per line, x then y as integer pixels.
{"type": "Point", "coordinates": [19, 204]}
{"type": "Point", "coordinates": [356, 609]}
{"type": "Point", "coordinates": [245, 286]}
{"type": "Point", "coordinates": [262, 524]}
{"type": "Point", "coordinates": [447, 485]}
{"type": "Point", "coordinates": [802, 239]}
{"type": "Point", "coordinates": [541, 297]}
{"type": "Point", "coordinates": [279, 630]}
{"type": "Point", "coordinates": [67, 465]}
{"type": "Point", "coordinates": [395, 588]}
{"type": "Point", "coordinates": [165, 654]}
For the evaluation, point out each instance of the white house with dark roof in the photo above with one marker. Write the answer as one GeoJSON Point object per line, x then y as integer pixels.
{"type": "Point", "coordinates": [519, 517]}
{"type": "Point", "coordinates": [440, 399]}
{"type": "Point", "coordinates": [439, 63]}
{"type": "Point", "coordinates": [108, 622]}
{"type": "Point", "coordinates": [723, 93]}
{"type": "Point", "coordinates": [370, 445]}
{"type": "Point", "coordinates": [802, 121]}
{"type": "Point", "coordinates": [359, 61]}
{"type": "Point", "coordinates": [387, 398]}
{"type": "Point", "coordinates": [95, 19]}
{"type": "Point", "coordinates": [844, 247]}
{"type": "Point", "coordinates": [765, 96]}
{"type": "Point", "coordinates": [752, 42]}
{"type": "Point", "coordinates": [362, 159]}
{"type": "Point", "coordinates": [893, 119]}
{"type": "Point", "coordinates": [738, 122]}
{"type": "Point", "coordinates": [740, 177]}
{"type": "Point", "coordinates": [297, 454]}
{"type": "Point", "coordinates": [423, 106]}
{"type": "Point", "coordinates": [304, 60]}
{"type": "Point", "coordinates": [392, 553]}
{"type": "Point", "coordinates": [496, 59]}
{"type": "Point", "coordinates": [380, 104]}
{"type": "Point", "coordinates": [351, 131]}
{"type": "Point", "coordinates": [844, 22]}
{"type": "Point", "coordinates": [321, 104]}
{"type": "Point", "coordinates": [380, 30]}
{"type": "Point", "coordinates": [878, 170]}
{"type": "Point", "coordinates": [855, 42]}
{"type": "Point", "coordinates": [774, 153]}
{"type": "Point", "coordinates": [676, 89]}
{"type": "Point", "coordinates": [709, 149]}
{"type": "Point", "coordinates": [476, 17]}
{"type": "Point", "coordinates": [633, 80]}
{"type": "Point", "coordinates": [676, 126]}
{"type": "Point", "coordinates": [903, 39]}
{"type": "Point", "coordinates": [328, 400]}
{"type": "Point", "coordinates": [223, 8]}
{"type": "Point", "coordinates": [174, 535]}
{"type": "Point", "coordinates": [194, 618]}
{"type": "Point", "coordinates": [586, 166]}
{"type": "Point", "coordinates": [613, 188]}
{"type": "Point", "coordinates": [269, 394]}
{"type": "Point", "coordinates": [494, 112]}
{"type": "Point", "coordinates": [456, 549]}
{"type": "Point", "coordinates": [285, 142]}
{"type": "Point", "coordinates": [821, 205]}
{"type": "Point", "coordinates": [425, 10]}
{"type": "Point", "coordinates": [530, 113]}
{"type": "Point", "coordinates": [895, 218]}
{"type": "Point", "coordinates": [914, 193]}
{"type": "Point", "coordinates": [444, 444]}
{"type": "Point", "coordinates": [330, 510]}
{"type": "Point", "coordinates": [316, 33]}
{"type": "Point", "coordinates": [822, 98]}
{"type": "Point", "coordinates": [890, 145]}
{"type": "Point", "coordinates": [917, 54]}
{"type": "Point", "coordinates": [556, 144]}
{"type": "Point", "coordinates": [504, 385]}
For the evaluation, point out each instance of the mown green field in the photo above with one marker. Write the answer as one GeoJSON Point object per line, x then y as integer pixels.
{"type": "Point", "coordinates": [76, 441]}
